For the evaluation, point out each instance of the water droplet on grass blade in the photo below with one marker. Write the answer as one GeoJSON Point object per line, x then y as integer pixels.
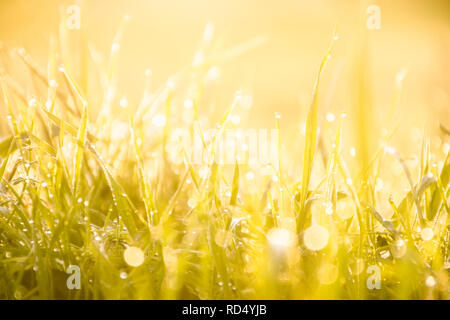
{"type": "Point", "coordinates": [398, 248]}
{"type": "Point", "coordinates": [330, 117]}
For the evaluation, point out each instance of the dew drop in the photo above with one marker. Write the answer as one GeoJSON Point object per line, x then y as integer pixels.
{"type": "Point", "coordinates": [430, 282]}
{"type": "Point", "coordinates": [134, 256]}
{"type": "Point", "coordinates": [426, 234]}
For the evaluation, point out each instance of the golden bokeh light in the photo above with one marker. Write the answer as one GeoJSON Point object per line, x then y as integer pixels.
{"type": "Point", "coordinates": [134, 256]}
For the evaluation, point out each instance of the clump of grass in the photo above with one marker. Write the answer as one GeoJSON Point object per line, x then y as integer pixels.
{"type": "Point", "coordinates": [81, 186]}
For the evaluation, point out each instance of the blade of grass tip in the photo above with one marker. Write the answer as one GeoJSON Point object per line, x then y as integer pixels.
{"type": "Point", "coordinates": [188, 163]}
{"type": "Point", "coordinates": [378, 154]}
{"type": "Point", "coordinates": [7, 146]}
{"type": "Point", "coordinates": [61, 172]}
{"type": "Point", "coordinates": [327, 106]}
{"type": "Point", "coordinates": [362, 114]}
{"type": "Point", "coordinates": [149, 109]}
{"type": "Point", "coordinates": [235, 187]}
{"type": "Point", "coordinates": [146, 96]}
{"type": "Point", "coordinates": [43, 145]}
{"type": "Point", "coordinates": [265, 199]}
{"type": "Point", "coordinates": [399, 79]}
{"type": "Point", "coordinates": [64, 40]}
{"type": "Point", "coordinates": [440, 193]}
{"type": "Point", "coordinates": [279, 146]}
{"type": "Point", "coordinates": [81, 139]}
{"type": "Point", "coordinates": [394, 105]}
{"type": "Point", "coordinates": [196, 127]}
{"type": "Point", "coordinates": [16, 89]}
{"type": "Point", "coordinates": [424, 167]}
{"type": "Point", "coordinates": [444, 129]}
{"type": "Point", "coordinates": [74, 86]}
{"type": "Point", "coordinates": [51, 67]}
{"type": "Point", "coordinates": [213, 181]}
{"type": "Point", "coordinates": [284, 190]}
{"type": "Point", "coordinates": [387, 224]}
{"type": "Point", "coordinates": [60, 122]}
{"type": "Point", "coordinates": [45, 125]}
{"type": "Point", "coordinates": [424, 155]}
{"type": "Point", "coordinates": [3, 166]}
{"type": "Point", "coordinates": [330, 190]}
{"type": "Point", "coordinates": [32, 66]}
{"type": "Point", "coordinates": [349, 183]}
{"type": "Point", "coordinates": [166, 130]}
{"type": "Point", "coordinates": [426, 181]}
{"type": "Point", "coordinates": [114, 57]}
{"type": "Point", "coordinates": [207, 40]}
{"type": "Point", "coordinates": [404, 222]}
{"type": "Point", "coordinates": [311, 138]}
{"type": "Point", "coordinates": [221, 125]}
{"type": "Point", "coordinates": [143, 182]}
{"type": "Point", "coordinates": [400, 212]}
{"type": "Point", "coordinates": [322, 150]}
{"type": "Point", "coordinates": [73, 96]}
{"type": "Point", "coordinates": [5, 58]}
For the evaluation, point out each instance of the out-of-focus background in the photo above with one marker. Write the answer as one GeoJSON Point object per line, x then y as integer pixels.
{"type": "Point", "coordinates": [279, 74]}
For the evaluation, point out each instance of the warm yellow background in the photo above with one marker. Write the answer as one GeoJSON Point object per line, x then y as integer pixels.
{"type": "Point", "coordinates": [164, 35]}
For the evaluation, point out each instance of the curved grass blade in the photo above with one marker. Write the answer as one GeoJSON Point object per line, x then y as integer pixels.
{"type": "Point", "coordinates": [311, 139]}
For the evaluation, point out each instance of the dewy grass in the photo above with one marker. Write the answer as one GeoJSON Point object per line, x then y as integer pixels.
{"type": "Point", "coordinates": [92, 207]}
